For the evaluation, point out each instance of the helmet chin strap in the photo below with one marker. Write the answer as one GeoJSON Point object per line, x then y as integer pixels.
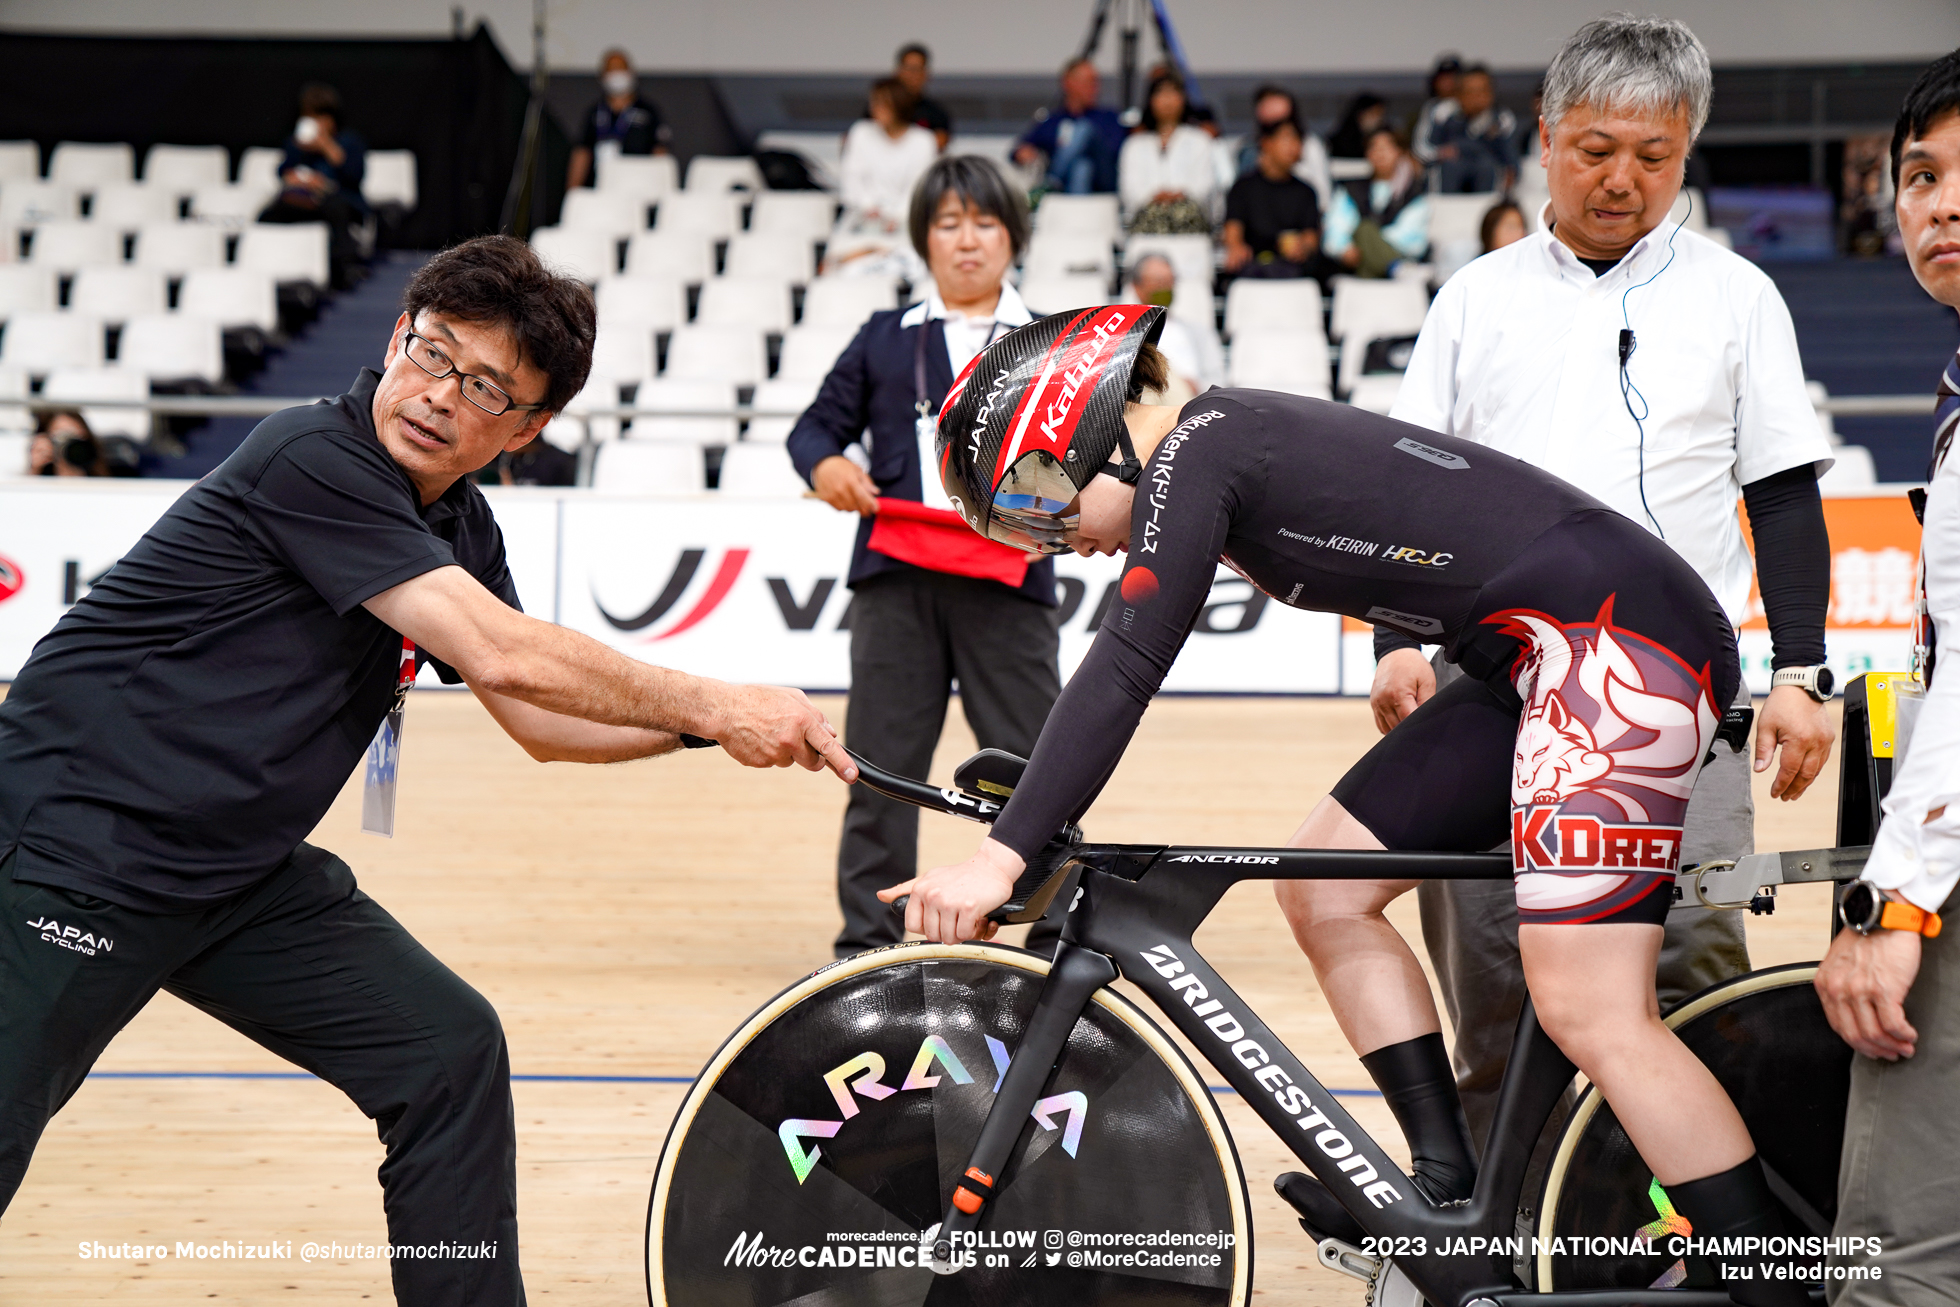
{"type": "Point", "coordinates": [1130, 470]}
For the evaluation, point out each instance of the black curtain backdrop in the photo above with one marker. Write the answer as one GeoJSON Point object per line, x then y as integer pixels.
{"type": "Point", "coordinates": [457, 103]}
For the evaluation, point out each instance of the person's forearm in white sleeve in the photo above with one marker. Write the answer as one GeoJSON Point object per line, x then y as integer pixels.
{"type": "Point", "coordinates": [1428, 394]}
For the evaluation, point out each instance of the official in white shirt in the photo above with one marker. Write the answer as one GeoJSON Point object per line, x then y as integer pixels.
{"type": "Point", "coordinates": [1891, 983]}
{"type": "Point", "coordinates": [1658, 372]}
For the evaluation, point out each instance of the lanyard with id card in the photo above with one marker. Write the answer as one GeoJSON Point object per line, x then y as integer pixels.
{"type": "Point", "coordinates": [384, 755]}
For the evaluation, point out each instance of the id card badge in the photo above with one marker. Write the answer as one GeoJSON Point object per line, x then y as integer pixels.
{"type": "Point", "coordinates": [384, 754]}
{"type": "Point", "coordinates": [925, 427]}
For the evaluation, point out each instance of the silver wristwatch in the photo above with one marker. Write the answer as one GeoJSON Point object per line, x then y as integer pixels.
{"type": "Point", "coordinates": [1817, 682]}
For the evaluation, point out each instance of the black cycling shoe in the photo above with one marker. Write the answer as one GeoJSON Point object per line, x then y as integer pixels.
{"type": "Point", "coordinates": [1321, 1214]}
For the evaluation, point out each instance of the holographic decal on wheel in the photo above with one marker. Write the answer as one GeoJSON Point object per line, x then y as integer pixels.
{"type": "Point", "coordinates": [814, 1158]}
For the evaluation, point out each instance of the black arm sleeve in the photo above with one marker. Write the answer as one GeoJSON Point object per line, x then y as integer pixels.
{"type": "Point", "coordinates": [1387, 641]}
{"type": "Point", "coordinates": [1793, 562]}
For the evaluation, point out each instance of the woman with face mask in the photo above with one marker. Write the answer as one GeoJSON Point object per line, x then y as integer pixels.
{"type": "Point", "coordinates": [620, 115]}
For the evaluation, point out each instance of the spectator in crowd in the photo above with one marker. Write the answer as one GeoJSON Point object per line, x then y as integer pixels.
{"type": "Point", "coordinates": [884, 156]}
{"type": "Point", "coordinates": [620, 115]}
{"type": "Point", "coordinates": [1890, 984]}
{"type": "Point", "coordinates": [1079, 138]}
{"type": "Point", "coordinates": [1197, 360]}
{"type": "Point", "coordinates": [1503, 225]}
{"type": "Point", "coordinates": [1521, 351]}
{"type": "Point", "coordinates": [1197, 115]}
{"type": "Point", "coordinates": [1444, 80]}
{"type": "Point", "coordinates": [1476, 144]}
{"type": "Point", "coordinates": [1272, 220]}
{"type": "Point", "coordinates": [1365, 112]}
{"type": "Point", "coordinates": [320, 179]}
{"type": "Point", "coordinates": [928, 607]}
{"type": "Point", "coordinates": [1165, 170]}
{"type": "Point", "coordinates": [539, 463]}
{"type": "Point", "coordinates": [63, 446]}
{"type": "Point", "coordinates": [915, 70]}
{"type": "Point", "coordinates": [1270, 104]}
{"type": "Point", "coordinates": [1376, 222]}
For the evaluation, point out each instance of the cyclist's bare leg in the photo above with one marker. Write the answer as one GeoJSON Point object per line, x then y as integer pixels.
{"type": "Point", "coordinates": [1371, 978]}
{"type": "Point", "coordinates": [1593, 988]}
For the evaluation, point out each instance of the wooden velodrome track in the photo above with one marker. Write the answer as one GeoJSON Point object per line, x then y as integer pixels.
{"type": "Point", "coordinates": [623, 920]}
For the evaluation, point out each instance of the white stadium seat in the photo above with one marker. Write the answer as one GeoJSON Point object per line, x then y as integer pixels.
{"type": "Point", "coordinates": [847, 301]}
{"type": "Point", "coordinates": [133, 205]}
{"type": "Point", "coordinates": [804, 214]}
{"type": "Point", "coordinates": [173, 347]}
{"type": "Point", "coordinates": [231, 297]}
{"type": "Point", "coordinates": [390, 179]}
{"type": "Point", "coordinates": [649, 176]}
{"type": "Point", "coordinates": [19, 161]}
{"type": "Point", "coordinates": [622, 354]}
{"type": "Point", "coordinates": [230, 206]}
{"type": "Point", "coordinates": [1459, 217]}
{"type": "Point", "coordinates": [81, 385]}
{"type": "Point", "coordinates": [650, 467]}
{"type": "Point", "coordinates": [1376, 393]}
{"type": "Point", "coordinates": [14, 447]}
{"type": "Point", "coordinates": [1290, 361]}
{"type": "Point", "coordinates": [68, 246]}
{"type": "Point", "coordinates": [682, 256]}
{"type": "Point", "coordinates": [649, 302]}
{"type": "Point", "coordinates": [116, 294]}
{"type": "Point", "coordinates": [89, 166]}
{"type": "Point", "coordinates": [598, 393]}
{"type": "Point", "coordinates": [14, 416]}
{"type": "Point", "coordinates": [607, 211]}
{"type": "Point", "coordinates": [673, 395]}
{"type": "Point", "coordinates": [1069, 254]}
{"type": "Point", "coordinates": [700, 353]}
{"type": "Point", "coordinates": [760, 303]}
{"type": "Point", "coordinates": [289, 251]}
{"type": "Point", "coordinates": [809, 352]}
{"type": "Point", "coordinates": [777, 256]}
{"type": "Point", "coordinates": [1389, 305]}
{"type": "Point", "coordinates": [42, 342]}
{"type": "Point", "coordinates": [1056, 292]}
{"type": "Point", "coordinates": [780, 401]}
{"type": "Point", "coordinates": [713, 214]}
{"type": "Point", "coordinates": [177, 247]}
{"type": "Point", "coordinates": [591, 256]}
{"type": "Point", "coordinates": [1252, 304]}
{"type": "Point", "coordinates": [25, 288]}
{"type": "Point", "coordinates": [761, 470]}
{"type": "Point", "coordinates": [565, 432]}
{"type": "Point", "coordinates": [710, 173]}
{"type": "Point", "coordinates": [1079, 215]}
{"type": "Point", "coordinates": [259, 167]}
{"type": "Point", "coordinates": [181, 169]}
{"type": "Point", "coordinates": [26, 202]}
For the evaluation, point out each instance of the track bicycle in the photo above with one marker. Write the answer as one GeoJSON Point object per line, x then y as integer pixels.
{"type": "Point", "coordinates": [971, 1124]}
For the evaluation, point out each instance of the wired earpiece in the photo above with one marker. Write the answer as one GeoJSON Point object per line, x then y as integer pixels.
{"type": "Point", "coordinates": [1627, 344]}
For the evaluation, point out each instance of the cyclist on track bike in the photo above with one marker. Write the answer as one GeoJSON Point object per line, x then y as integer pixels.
{"type": "Point", "coordinates": [1598, 666]}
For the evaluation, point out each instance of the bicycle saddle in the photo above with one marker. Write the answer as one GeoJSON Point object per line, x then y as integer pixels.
{"type": "Point", "coordinates": [990, 774]}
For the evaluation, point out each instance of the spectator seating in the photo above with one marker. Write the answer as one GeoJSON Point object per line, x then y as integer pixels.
{"type": "Point", "coordinates": [127, 207]}
{"type": "Point", "coordinates": [30, 201]}
{"type": "Point", "coordinates": [778, 403]}
{"type": "Point", "coordinates": [706, 353]}
{"type": "Point", "coordinates": [999, 148]}
{"type": "Point", "coordinates": [760, 303]}
{"type": "Point", "coordinates": [650, 467]}
{"type": "Point", "coordinates": [173, 347]}
{"type": "Point", "coordinates": [1854, 470]}
{"type": "Point", "coordinates": [1258, 305]}
{"type": "Point", "coordinates": [71, 246]}
{"type": "Point", "coordinates": [231, 206]}
{"type": "Point", "coordinates": [791, 215]}
{"type": "Point", "coordinates": [14, 446]}
{"type": "Point", "coordinates": [589, 255]}
{"type": "Point", "coordinates": [847, 301]}
{"type": "Point", "coordinates": [683, 256]}
{"type": "Point", "coordinates": [1367, 310]}
{"type": "Point", "coordinates": [178, 247]}
{"type": "Point", "coordinates": [258, 167]}
{"type": "Point", "coordinates": [13, 415]}
{"type": "Point", "coordinates": [80, 385]}
{"type": "Point", "coordinates": [643, 300]}
{"type": "Point", "coordinates": [616, 214]}
{"type": "Point", "coordinates": [673, 395]}
{"type": "Point", "coordinates": [1191, 256]}
{"type": "Point", "coordinates": [809, 352]}
{"type": "Point", "coordinates": [1069, 254]}
{"type": "Point", "coordinates": [1054, 293]}
{"type": "Point", "coordinates": [179, 170]}
{"type": "Point", "coordinates": [823, 149]}
{"type": "Point", "coordinates": [42, 342]}
{"type": "Point", "coordinates": [622, 355]}
{"type": "Point", "coordinates": [598, 393]}
{"type": "Point", "coordinates": [759, 469]}
{"type": "Point", "coordinates": [1290, 361]}
{"type": "Point", "coordinates": [1456, 229]}
{"type": "Point", "coordinates": [290, 252]}
{"type": "Point", "coordinates": [19, 161]}
{"type": "Point", "coordinates": [87, 166]}
{"type": "Point", "coordinates": [707, 173]}
{"type": "Point", "coordinates": [390, 179]}
{"type": "Point", "coordinates": [713, 214]}
{"type": "Point", "coordinates": [117, 294]}
{"type": "Point", "coordinates": [786, 258]}
{"type": "Point", "coordinates": [648, 177]}
{"type": "Point", "coordinates": [230, 297]}
{"type": "Point", "coordinates": [1376, 392]}
{"type": "Point", "coordinates": [25, 288]}
{"type": "Point", "coordinates": [1095, 216]}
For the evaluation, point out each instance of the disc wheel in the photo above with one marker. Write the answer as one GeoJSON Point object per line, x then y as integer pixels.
{"type": "Point", "coordinates": [814, 1157]}
{"type": "Point", "coordinates": [1765, 1037]}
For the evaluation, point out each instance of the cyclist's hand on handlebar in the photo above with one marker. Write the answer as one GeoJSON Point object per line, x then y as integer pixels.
{"type": "Point", "coordinates": [1801, 727]}
{"type": "Point", "coordinates": [769, 726]}
{"type": "Point", "coordinates": [950, 904]}
{"type": "Point", "coordinates": [1863, 981]}
{"type": "Point", "coordinates": [1404, 681]}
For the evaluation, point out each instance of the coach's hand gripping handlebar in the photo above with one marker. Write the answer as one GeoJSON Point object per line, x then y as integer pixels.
{"type": "Point", "coordinates": [984, 782]}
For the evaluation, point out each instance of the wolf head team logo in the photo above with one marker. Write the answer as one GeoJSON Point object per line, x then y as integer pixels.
{"type": "Point", "coordinates": [1613, 734]}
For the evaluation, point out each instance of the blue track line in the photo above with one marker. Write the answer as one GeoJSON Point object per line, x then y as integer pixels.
{"type": "Point", "coordinates": [561, 1080]}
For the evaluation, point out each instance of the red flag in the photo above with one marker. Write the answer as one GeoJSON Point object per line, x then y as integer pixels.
{"type": "Point", "coordinates": [939, 540]}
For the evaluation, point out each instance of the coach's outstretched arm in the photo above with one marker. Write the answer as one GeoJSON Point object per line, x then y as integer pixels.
{"type": "Point", "coordinates": [566, 697]}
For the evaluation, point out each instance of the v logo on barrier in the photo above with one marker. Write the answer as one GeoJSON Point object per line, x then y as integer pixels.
{"type": "Point", "coordinates": [725, 576]}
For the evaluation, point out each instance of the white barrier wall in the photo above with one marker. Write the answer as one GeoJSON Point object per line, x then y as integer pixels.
{"type": "Point", "coordinates": [753, 589]}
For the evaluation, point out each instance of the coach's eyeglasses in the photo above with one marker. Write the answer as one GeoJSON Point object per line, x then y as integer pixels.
{"type": "Point", "coordinates": [424, 355]}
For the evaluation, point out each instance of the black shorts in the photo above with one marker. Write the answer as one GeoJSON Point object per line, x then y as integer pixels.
{"type": "Point", "coordinates": [1599, 667]}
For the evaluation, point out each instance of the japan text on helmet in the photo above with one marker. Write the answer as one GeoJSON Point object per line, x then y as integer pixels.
{"type": "Point", "coordinates": [1036, 415]}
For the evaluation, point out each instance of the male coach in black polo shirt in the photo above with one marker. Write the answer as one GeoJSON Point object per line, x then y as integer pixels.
{"type": "Point", "coordinates": [178, 733]}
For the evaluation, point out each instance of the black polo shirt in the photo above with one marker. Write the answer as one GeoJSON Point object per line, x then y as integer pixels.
{"type": "Point", "coordinates": [637, 127]}
{"type": "Point", "coordinates": [1266, 208]}
{"type": "Point", "coordinates": [184, 726]}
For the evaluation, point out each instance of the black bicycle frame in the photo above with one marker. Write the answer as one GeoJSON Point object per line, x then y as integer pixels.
{"type": "Point", "coordinates": [1133, 911]}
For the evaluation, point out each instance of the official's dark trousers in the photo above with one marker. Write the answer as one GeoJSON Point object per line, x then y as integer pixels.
{"type": "Point", "coordinates": [307, 965]}
{"type": "Point", "coordinates": [912, 634]}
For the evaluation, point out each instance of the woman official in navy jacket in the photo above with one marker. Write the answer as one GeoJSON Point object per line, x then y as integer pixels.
{"type": "Point", "coordinates": [933, 603]}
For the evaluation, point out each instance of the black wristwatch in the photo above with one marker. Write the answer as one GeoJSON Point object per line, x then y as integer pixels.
{"type": "Point", "coordinates": [1817, 682]}
{"type": "Point", "coordinates": [1866, 909]}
